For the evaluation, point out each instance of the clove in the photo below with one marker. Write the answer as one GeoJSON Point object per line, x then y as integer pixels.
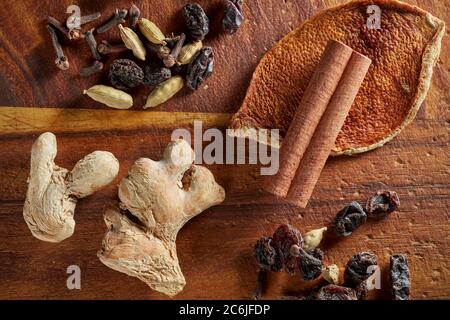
{"type": "Point", "coordinates": [90, 39]}
{"type": "Point", "coordinates": [161, 51]}
{"type": "Point", "coordinates": [106, 48]}
{"type": "Point", "coordinates": [73, 34]}
{"type": "Point", "coordinates": [89, 18]}
{"type": "Point", "coordinates": [118, 18]}
{"type": "Point", "coordinates": [172, 41]}
{"type": "Point", "coordinates": [71, 21]}
{"type": "Point", "coordinates": [258, 291]}
{"type": "Point", "coordinates": [135, 13]}
{"type": "Point", "coordinates": [61, 60]}
{"type": "Point", "coordinates": [171, 59]}
{"type": "Point", "coordinates": [97, 66]}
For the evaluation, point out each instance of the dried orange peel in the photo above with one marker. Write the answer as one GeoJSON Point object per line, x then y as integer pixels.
{"type": "Point", "coordinates": [403, 52]}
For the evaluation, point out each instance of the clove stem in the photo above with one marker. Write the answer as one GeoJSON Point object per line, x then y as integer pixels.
{"type": "Point", "coordinates": [61, 60]}
{"type": "Point", "coordinates": [257, 293]}
{"type": "Point", "coordinates": [118, 18]}
{"type": "Point", "coordinates": [83, 20]}
{"type": "Point", "coordinates": [90, 39]}
{"type": "Point", "coordinates": [106, 48]}
{"type": "Point", "coordinates": [90, 18]}
{"type": "Point", "coordinates": [97, 66]}
{"type": "Point", "coordinates": [73, 34]}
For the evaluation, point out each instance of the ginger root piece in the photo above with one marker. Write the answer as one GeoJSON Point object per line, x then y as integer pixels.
{"type": "Point", "coordinates": [161, 197]}
{"type": "Point", "coordinates": [53, 192]}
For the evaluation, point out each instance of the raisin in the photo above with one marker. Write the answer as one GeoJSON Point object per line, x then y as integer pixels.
{"type": "Point", "coordinates": [334, 292]}
{"type": "Point", "coordinates": [310, 263]}
{"type": "Point", "coordinates": [266, 255]}
{"type": "Point", "coordinates": [284, 238]}
{"type": "Point", "coordinates": [155, 74]}
{"type": "Point", "coordinates": [382, 203]}
{"type": "Point", "coordinates": [196, 20]}
{"type": "Point", "coordinates": [233, 16]}
{"type": "Point", "coordinates": [125, 74]}
{"type": "Point", "coordinates": [400, 278]}
{"type": "Point", "coordinates": [200, 68]}
{"type": "Point", "coordinates": [361, 290]}
{"type": "Point", "coordinates": [359, 269]}
{"type": "Point", "coordinates": [349, 219]}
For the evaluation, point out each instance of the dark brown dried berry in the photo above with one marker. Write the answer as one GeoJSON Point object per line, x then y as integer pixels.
{"type": "Point", "coordinates": [361, 290]}
{"type": "Point", "coordinates": [196, 20]}
{"type": "Point", "coordinates": [155, 74]}
{"type": "Point", "coordinates": [382, 203]}
{"type": "Point", "coordinates": [233, 16]}
{"type": "Point", "coordinates": [349, 219]}
{"type": "Point", "coordinates": [334, 292]}
{"type": "Point", "coordinates": [284, 238]}
{"type": "Point", "coordinates": [200, 68]}
{"type": "Point", "coordinates": [125, 74]}
{"type": "Point", "coordinates": [310, 263]}
{"type": "Point", "coordinates": [359, 268]}
{"type": "Point", "coordinates": [400, 278]}
{"type": "Point", "coordinates": [266, 255]}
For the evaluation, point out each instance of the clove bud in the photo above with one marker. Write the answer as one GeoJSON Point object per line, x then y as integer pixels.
{"type": "Point", "coordinates": [118, 18]}
{"type": "Point", "coordinates": [90, 39]}
{"type": "Point", "coordinates": [61, 60]}
{"type": "Point", "coordinates": [73, 34]}
{"type": "Point", "coordinates": [171, 59]}
{"type": "Point", "coordinates": [135, 13]}
{"type": "Point", "coordinates": [106, 48]}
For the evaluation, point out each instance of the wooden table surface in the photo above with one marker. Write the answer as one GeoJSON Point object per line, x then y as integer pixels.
{"type": "Point", "coordinates": [215, 248]}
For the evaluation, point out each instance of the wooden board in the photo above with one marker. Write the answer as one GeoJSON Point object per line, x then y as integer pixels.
{"type": "Point", "coordinates": [215, 249]}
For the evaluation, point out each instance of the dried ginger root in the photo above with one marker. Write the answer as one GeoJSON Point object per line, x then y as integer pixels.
{"type": "Point", "coordinates": [53, 191]}
{"type": "Point", "coordinates": [161, 196]}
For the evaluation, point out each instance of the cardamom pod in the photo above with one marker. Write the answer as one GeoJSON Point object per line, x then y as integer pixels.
{"type": "Point", "coordinates": [313, 238]}
{"type": "Point", "coordinates": [151, 32]}
{"type": "Point", "coordinates": [331, 273]}
{"type": "Point", "coordinates": [164, 91]}
{"type": "Point", "coordinates": [110, 96]}
{"type": "Point", "coordinates": [132, 42]}
{"type": "Point", "coordinates": [188, 52]}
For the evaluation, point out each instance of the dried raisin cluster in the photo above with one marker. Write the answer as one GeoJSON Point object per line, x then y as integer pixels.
{"type": "Point", "coordinates": [285, 251]}
{"type": "Point", "coordinates": [352, 216]}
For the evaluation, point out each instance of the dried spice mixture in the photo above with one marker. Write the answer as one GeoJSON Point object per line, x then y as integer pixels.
{"type": "Point", "coordinates": [166, 64]}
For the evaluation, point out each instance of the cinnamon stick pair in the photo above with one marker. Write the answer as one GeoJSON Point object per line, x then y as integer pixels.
{"type": "Point", "coordinates": [317, 122]}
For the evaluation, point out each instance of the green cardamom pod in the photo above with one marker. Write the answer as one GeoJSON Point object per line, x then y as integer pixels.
{"type": "Point", "coordinates": [151, 32]}
{"type": "Point", "coordinates": [110, 96]}
{"type": "Point", "coordinates": [132, 42]}
{"type": "Point", "coordinates": [164, 91]}
{"type": "Point", "coordinates": [188, 52]}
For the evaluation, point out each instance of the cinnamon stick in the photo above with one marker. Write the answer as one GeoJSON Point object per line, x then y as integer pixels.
{"type": "Point", "coordinates": [312, 106]}
{"type": "Point", "coordinates": [330, 125]}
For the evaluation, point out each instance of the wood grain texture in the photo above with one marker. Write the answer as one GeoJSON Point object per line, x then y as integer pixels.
{"type": "Point", "coordinates": [215, 248]}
